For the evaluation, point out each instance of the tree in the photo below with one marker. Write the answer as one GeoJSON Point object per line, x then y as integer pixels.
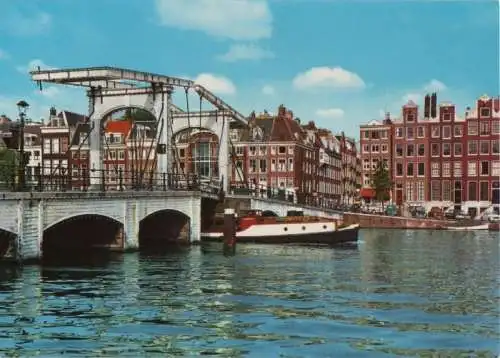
{"type": "Point", "coordinates": [8, 167]}
{"type": "Point", "coordinates": [382, 183]}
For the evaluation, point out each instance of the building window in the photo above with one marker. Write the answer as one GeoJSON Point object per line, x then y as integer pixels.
{"type": "Point", "coordinates": [446, 149]}
{"type": "Point", "coordinates": [457, 149]}
{"type": "Point", "coordinates": [409, 133]}
{"type": "Point", "coordinates": [385, 148]}
{"type": "Point", "coordinates": [252, 150]}
{"type": "Point", "coordinates": [446, 117]}
{"type": "Point", "coordinates": [202, 159]}
{"type": "Point", "coordinates": [457, 169]}
{"type": "Point", "coordinates": [409, 169]}
{"type": "Point", "coordinates": [55, 145]}
{"type": "Point", "coordinates": [273, 165]}
{"type": "Point", "coordinates": [435, 190]}
{"type": "Point", "coordinates": [420, 191]}
{"type": "Point", "coordinates": [457, 130]}
{"type": "Point", "coordinates": [495, 146]}
{"type": "Point", "coordinates": [472, 127]}
{"type": "Point", "coordinates": [435, 132]}
{"type": "Point", "coordinates": [420, 132]}
{"type": "Point", "coordinates": [421, 169]}
{"type": "Point", "coordinates": [484, 128]}
{"type": "Point", "coordinates": [375, 148]}
{"type": "Point", "coordinates": [472, 169]}
{"type": "Point", "coordinates": [435, 169]}
{"type": "Point", "coordinates": [446, 132]}
{"type": "Point", "coordinates": [46, 146]}
{"type": "Point", "coordinates": [399, 169]}
{"type": "Point", "coordinates": [472, 147]}
{"type": "Point", "coordinates": [435, 149]}
{"type": "Point", "coordinates": [409, 191]}
{"type": "Point", "coordinates": [410, 150]}
{"type": "Point", "coordinates": [410, 117]}
{"type": "Point", "coordinates": [421, 150]}
{"type": "Point", "coordinates": [399, 132]}
{"type": "Point", "coordinates": [472, 191]}
{"type": "Point", "coordinates": [263, 165]}
{"type": "Point", "coordinates": [485, 168]}
{"type": "Point", "coordinates": [484, 147]}
{"type": "Point", "coordinates": [495, 168]}
{"type": "Point", "coordinates": [484, 112]}
{"type": "Point", "coordinates": [399, 150]}
{"type": "Point", "coordinates": [447, 169]}
{"type": "Point", "coordinates": [446, 190]}
{"type": "Point", "coordinates": [495, 127]}
{"type": "Point", "coordinates": [290, 164]}
{"type": "Point", "coordinates": [383, 134]}
{"type": "Point", "coordinates": [484, 191]}
{"type": "Point", "coordinates": [366, 148]}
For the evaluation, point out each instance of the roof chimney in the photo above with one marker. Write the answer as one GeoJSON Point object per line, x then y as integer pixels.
{"type": "Point", "coordinates": [434, 105]}
{"type": "Point", "coordinates": [427, 106]}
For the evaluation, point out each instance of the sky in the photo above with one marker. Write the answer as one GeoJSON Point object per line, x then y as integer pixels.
{"type": "Point", "coordinates": [336, 62]}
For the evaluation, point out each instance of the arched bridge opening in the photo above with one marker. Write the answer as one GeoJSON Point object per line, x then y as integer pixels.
{"type": "Point", "coordinates": [129, 141]}
{"type": "Point", "coordinates": [269, 213]}
{"type": "Point", "coordinates": [82, 235]}
{"type": "Point", "coordinates": [7, 244]}
{"type": "Point", "coordinates": [163, 228]}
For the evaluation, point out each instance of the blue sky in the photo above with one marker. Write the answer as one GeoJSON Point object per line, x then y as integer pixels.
{"type": "Point", "coordinates": [339, 63]}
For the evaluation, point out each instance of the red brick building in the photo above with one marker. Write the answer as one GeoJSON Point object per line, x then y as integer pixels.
{"type": "Point", "coordinates": [482, 145]}
{"type": "Point", "coordinates": [439, 159]}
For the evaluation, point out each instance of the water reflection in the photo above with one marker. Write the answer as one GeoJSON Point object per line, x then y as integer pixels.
{"type": "Point", "coordinates": [401, 293]}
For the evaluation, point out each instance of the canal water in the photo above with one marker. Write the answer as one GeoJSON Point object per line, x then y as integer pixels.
{"type": "Point", "coordinates": [399, 293]}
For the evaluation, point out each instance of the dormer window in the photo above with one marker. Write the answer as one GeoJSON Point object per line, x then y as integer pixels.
{"type": "Point", "coordinates": [446, 117]}
{"type": "Point", "coordinates": [410, 117]}
{"type": "Point", "coordinates": [484, 112]}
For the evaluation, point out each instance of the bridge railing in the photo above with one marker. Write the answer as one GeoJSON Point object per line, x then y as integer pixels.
{"type": "Point", "coordinates": [285, 195]}
{"type": "Point", "coordinates": [50, 179]}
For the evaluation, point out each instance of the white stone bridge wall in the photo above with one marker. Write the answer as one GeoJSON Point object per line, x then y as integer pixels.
{"type": "Point", "coordinates": [28, 218]}
{"type": "Point", "coordinates": [281, 208]}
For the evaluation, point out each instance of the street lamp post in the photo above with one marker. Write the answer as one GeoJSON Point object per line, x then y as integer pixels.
{"type": "Point", "coordinates": [22, 107]}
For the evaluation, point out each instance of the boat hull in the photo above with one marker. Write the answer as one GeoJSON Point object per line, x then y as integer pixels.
{"type": "Point", "coordinates": [468, 228]}
{"type": "Point", "coordinates": [339, 236]}
{"type": "Point", "coordinates": [494, 226]}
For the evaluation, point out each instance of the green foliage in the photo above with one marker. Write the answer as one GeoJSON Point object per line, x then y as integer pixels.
{"type": "Point", "coordinates": [8, 167]}
{"type": "Point", "coordinates": [381, 182]}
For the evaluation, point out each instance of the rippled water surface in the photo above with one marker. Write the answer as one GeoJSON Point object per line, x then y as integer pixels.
{"type": "Point", "coordinates": [400, 293]}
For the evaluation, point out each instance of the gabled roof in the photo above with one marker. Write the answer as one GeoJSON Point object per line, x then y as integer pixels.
{"type": "Point", "coordinates": [122, 127]}
{"type": "Point", "coordinates": [80, 128]}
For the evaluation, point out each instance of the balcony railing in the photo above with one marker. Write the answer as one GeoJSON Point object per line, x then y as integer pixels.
{"type": "Point", "coordinates": [41, 179]}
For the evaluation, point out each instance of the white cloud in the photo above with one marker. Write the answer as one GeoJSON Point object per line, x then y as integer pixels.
{"type": "Point", "coordinates": [33, 65]}
{"type": "Point", "coordinates": [330, 113]}
{"type": "Point", "coordinates": [328, 77]}
{"type": "Point", "coordinates": [435, 86]}
{"type": "Point", "coordinates": [216, 84]}
{"type": "Point", "coordinates": [417, 95]}
{"type": "Point", "coordinates": [268, 90]}
{"type": "Point", "coordinates": [238, 52]}
{"type": "Point", "coordinates": [237, 20]}
{"type": "Point", "coordinates": [29, 25]}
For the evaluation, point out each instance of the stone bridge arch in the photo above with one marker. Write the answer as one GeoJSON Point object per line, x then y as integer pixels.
{"type": "Point", "coordinates": [7, 240]}
{"type": "Point", "coordinates": [164, 227]}
{"type": "Point", "coordinates": [82, 233]}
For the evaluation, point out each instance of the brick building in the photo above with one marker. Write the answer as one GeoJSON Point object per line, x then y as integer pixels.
{"type": "Point", "coordinates": [439, 159]}
{"type": "Point", "coordinates": [80, 157]}
{"type": "Point", "coordinates": [375, 146]}
{"type": "Point", "coordinates": [350, 169]}
{"type": "Point", "coordinates": [55, 135]}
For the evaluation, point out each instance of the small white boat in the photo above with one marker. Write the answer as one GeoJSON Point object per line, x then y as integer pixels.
{"type": "Point", "coordinates": [468, 228]}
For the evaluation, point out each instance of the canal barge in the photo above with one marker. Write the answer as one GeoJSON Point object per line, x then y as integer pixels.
{"type": "Point", "coordinates": [295, 228]}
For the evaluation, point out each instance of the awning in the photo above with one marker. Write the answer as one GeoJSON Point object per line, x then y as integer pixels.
{"type": "Point", "coordinates": [367, 193]}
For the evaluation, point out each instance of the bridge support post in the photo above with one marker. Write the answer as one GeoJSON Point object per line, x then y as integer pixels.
{"type": "Point", "coordinates": [29, 231]}
{"type": "Point", "coordinates": [224, 166]}
{"type": "Point", "coordinates": [166, 131]}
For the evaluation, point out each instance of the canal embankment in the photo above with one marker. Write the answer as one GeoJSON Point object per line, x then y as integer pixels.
{"type": "Point", "coordinates": [373, 221]}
